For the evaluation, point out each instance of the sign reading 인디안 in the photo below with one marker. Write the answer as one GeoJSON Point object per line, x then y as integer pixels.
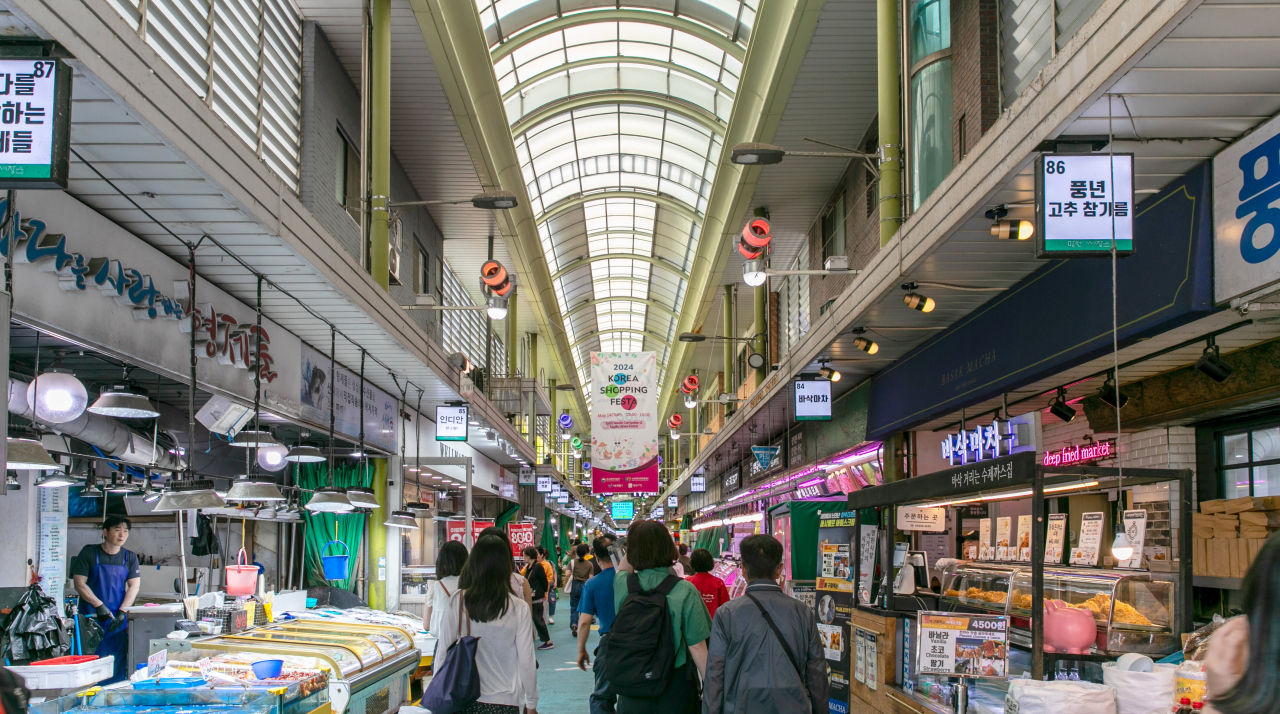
{"type": "Point", "coordinates": [1083, 201]}
{"type": "Point", "coordinates": [1246, 214]}
{"type": "Point", "coordinates": [451, 423]}
{"type": "Point", "coordinates": [812, 400]}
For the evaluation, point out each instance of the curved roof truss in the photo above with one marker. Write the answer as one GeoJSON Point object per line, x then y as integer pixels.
{"type": "Point", "coordinates": [702, 32]}
{"type": "Point", "coordinates": [656, 101]}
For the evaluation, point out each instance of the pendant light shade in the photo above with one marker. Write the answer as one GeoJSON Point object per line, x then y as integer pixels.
{"type": "Point", "coordinates": [11, 482]}
{"type": "Point", "coordinates": [61, 396]}
{"type": "Point", "coordinates": [254, 437]}
{"type": "Point", "coordinates": [418, 507]}
{"type": "Point", "coordinates": [186, 495]}
{"type": "Point", "coordinates": [118, 486]}
{"type": "Point", "coordinates": [304, 454]}
{"type": "Point", "coordinates": [248, 489]}
{"type": "Point", "coordinates": [272, 458]}
{"type": "Point", "coordinates": [54, 480]}
{"type": "Point", "coordinates": [23, 450]}
{"type": "Point", "coordinates": [149, 493]}
{"type": "Point", "coordinates": [402, 519]}
{"type": "Point", "coordinates": [362, 497]}
{"type": "Point", "coordinates": [125, 402]}
{"type": "Point", "coordinates": [329, 500]}
{"type": "Point", "coordinates": [91, 489]}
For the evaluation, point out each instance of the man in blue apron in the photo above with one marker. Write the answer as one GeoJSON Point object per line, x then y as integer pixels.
{"type": "Point", "coordinates": [106, 577]}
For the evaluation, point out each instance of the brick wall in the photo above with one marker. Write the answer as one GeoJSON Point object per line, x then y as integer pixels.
{"type": "Point", "coordinates": [331, 103]}
{"type": "Point", "coordinates": [975, 73]}
{"type": "Point", "coordinates": [862, 230]}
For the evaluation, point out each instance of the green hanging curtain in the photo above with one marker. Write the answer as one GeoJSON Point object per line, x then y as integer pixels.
{"type": "Point", "coordinates": [507, 515]}
{"type": "Point", "coordinates": [566, 537]}
{"type": "Point", "coordinates": [548, 540]}
{"type": "Point", "coordinates": [687, 522]}
{"type": "Point", "coordinates": [320, 527]}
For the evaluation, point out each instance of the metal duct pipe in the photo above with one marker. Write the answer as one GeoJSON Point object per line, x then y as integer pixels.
{"type": "Point", "coordinates": [113, 437]}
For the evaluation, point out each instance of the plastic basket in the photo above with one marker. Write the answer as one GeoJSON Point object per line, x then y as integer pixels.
{"type": "Point", "coordinates": [335, 566]}
{"type": "Point", "coordinates": [69, 659]}
{"type": "Point", "coordinates": [242, 579]}
{"type": "Point", "coordinates": [66, 676]}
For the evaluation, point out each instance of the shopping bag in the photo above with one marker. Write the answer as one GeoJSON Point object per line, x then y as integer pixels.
{"type": "Point", "coordinates": [1029, 696]}
{"type": "Point", "coordinates": [455, 685]}
{"type": "Point", "coordinates": [1141, 692]}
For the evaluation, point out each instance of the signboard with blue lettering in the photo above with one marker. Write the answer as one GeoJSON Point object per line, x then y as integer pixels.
{"type": "Point", "coordinates": [1246, 214]}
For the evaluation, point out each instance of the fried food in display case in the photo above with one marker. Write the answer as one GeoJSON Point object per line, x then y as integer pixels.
{"type": "Point", "coordinates": [1135, 612]}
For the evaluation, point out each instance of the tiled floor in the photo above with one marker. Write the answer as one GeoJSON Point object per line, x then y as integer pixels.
{"type": "Point", "coordinates": [562, 687]}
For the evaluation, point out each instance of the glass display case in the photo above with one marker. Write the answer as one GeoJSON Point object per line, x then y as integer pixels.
{"type": "Point", "coordinates": [1133, 612]}
{"type": "Point", "coordinates": [979, 585]}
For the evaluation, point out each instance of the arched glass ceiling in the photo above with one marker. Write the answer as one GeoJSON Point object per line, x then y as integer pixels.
{"type": "Point", "coordinates": [618, 110]}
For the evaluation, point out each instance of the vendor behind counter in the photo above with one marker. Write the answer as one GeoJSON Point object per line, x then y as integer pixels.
{"type": "Point", "coordinates": [107, 578]}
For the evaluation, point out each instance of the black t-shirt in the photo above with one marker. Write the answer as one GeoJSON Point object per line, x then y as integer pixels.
{"type": "Point", "coordinates": [83, 564]}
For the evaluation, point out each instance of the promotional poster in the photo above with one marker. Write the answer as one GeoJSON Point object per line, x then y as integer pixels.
{"type": "Point", "coordinates": [835, 602]}
{"type": "Point", "coordinates": [624, 422]}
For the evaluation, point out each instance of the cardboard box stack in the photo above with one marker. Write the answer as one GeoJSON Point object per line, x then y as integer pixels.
{"type": "Point", "coordinates": [1228, 533]}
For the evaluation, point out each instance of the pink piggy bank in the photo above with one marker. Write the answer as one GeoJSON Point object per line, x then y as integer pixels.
{"type": "Point", "coordinates": [1068, 629]}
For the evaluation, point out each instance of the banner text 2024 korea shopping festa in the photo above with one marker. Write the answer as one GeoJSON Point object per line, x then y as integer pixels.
{"type": "Point", "coordinates": [624, 422]}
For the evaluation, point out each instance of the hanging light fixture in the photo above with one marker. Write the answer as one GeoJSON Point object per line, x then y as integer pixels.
{"type": "Point", "coordinates": [124, 401]}
{"type": "Point", "coordinates": [329, 500]}
{"type": "Point", "coordinates": [11, 482]}
{"type": "Point", "coordinates": [1121, 548]}
{"type": "Point", "coordinates": [189, 494]}
{"type": "Point", "coordinates": [1211, 363]}
{"type": "Point", "coordinates": [118, 486]}
{"type": "Point", "coordinates": [1111, 395]}
{"type": "Point", "coordinates": [1059, 407]}
{"type": "Point", "coordinates": [149, 493]}
{"type": "Point", "coordinates": [246, 488]}
{"type": "Point", "coordinates": [304, 454]}
{"type": "Point", "coordinates": [418, 507]}
{"type": "Point", "coordinates": [362, 497]}
{"type": "Point", "coordinates": [60, 397]}
{"type": "Point", "coordinates": [91, 488]}
{"type": "Point", "coordinates": [402, 519]}
{"type": "Point", "coordinates": [23, 451]}
{"type": "Point", "coordinates": [273, 458]}
{"type": "Point", "coordinates": [916, 301]}
{"type": "Point", "coordinates": [259, 438]}
{"type": "Point", "coordinates": [55, 480]}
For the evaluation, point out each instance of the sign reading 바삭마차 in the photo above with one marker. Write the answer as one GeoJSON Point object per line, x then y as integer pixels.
{"type": "Point", "coordinates": [1082, 202]}
{"type": "Point", "coordinates": [624, 422]}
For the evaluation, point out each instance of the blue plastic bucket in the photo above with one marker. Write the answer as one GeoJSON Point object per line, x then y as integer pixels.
{"type": "Point", "coordinates": [335, 566]}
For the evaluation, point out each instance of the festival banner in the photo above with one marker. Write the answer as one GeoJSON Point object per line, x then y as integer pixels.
{"type": "Point", "coordinates": [624, 422]}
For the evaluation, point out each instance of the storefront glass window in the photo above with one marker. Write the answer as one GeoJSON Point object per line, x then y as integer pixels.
{"type": "Point", "coordinates": [1250, 463]}
{"type": "Point", "coordinates": [930, 97]}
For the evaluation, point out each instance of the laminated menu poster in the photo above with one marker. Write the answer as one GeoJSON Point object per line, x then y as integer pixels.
{"type": "Point", "coordinates": [834, 592]}
{"type": "Point", "coordinates": [965, 645]}
{"type": "Point", "coordinates": [984, 539]}
{"type": "Point", "coordinates": [860, 655]}
{"type": "Point", "coordinates": [1135, 527]}
{"type": "Point", "coordinates": [1086, 552]}
{"type": "Point", "coordinates": [1003, 551]}
{"type": "Point", "coordinates": [1024, 538]}
{"type": "Point", "coordinates": [873, 655]}
{"type": "Point", "coordinates": [1055, 538]}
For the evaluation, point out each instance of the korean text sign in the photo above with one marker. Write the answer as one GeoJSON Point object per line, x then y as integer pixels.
{"type": "Point", "coordinates": [1081, 199]}
{"type": "Point", "coordinates": [451, 423]}
{"type": "Point", "coordinates": [624, 422]}
{"type": "Point", "coordinates": [962, 644]}
{"type": "Point", "coordinates": [1246, 214]}
{"type": "Point", "coordinates": [35, 110]}
{"type": "Point", "coordinates": [813, 400]}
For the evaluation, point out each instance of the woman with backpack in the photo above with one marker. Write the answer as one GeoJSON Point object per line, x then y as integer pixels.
{"type": "Point", "coordinates": [657, 646]}
{"type": "Point", "coordinates": [487, 608]}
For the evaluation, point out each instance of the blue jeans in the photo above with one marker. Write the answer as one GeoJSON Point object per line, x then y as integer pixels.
{"type": "Point", "coordinates": [602, 700]}
{"type": "Point", "coordinates": [575, 594]}
{"type": "Point", "coordinates": [551, 603]}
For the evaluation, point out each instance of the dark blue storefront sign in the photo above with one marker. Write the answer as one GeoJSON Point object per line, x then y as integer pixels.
{"type": "Point", "coordinates": [1060, 315]}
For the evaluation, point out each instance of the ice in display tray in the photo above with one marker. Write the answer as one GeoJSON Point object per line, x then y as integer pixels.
{"type": "Point", "coordinates": [66, 676]}
{"type": "Point", "coordinates": [160, 701]}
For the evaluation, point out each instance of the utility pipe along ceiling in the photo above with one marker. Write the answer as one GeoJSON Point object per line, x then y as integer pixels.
{"type": "Point", "coordinates": [618, 112]}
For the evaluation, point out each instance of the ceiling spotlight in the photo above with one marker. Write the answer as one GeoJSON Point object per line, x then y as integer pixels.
{"type": "Point", "coordinates": [675, 436]}
{"type": "Point", "coordinates": [494, 200]}
{"type": "Point", "coordinates": [496, 308]}
{"type": "Point", "coordinates": [149, 493]}
{"type": "Point", "coordinates": [254, 438]}
{"type": "Point", "coordinates": [304, 454]}
{"type": "Point", "coordinates": [863, 343]}
{"type": "Point", "coordinates": [1211, 363]}
{"type": "Point", "coordinates": [118, 486]}
{"type": "Point", "coordinates": [1009, 230]}
{"type": "Point", "coordinates": [11, 483]}
{"type": "Point", "coordinates": [756, 154]}
{"type": "Point", "coordinates": [124, 401]}
{"type": "Point", "coordinates": [1111, 395]}
{"type": "Point", "coordinates": [753, 273]}
{"type": "Point", "coordinates": [826, 372]}
{"type": "Point", "coordinates": [1059, 407]}
{"type": "Point", "coordinates": [916, 301]}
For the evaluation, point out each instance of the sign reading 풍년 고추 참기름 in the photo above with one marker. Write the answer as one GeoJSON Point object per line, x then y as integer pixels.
{"type": "Point", "coordinates": [35, 119]}
{"type": "Point", "coordinates": [624, 422]}
{"type": "Point", "coordinates": [1082, 201]}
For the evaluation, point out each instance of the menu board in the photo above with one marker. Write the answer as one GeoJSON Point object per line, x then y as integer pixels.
{"type": "Point", "coordinates": [1024, 538]}
{"type": "Point", "coordinates": [869, 540]}
{"type": "Point", "coordinates": [860, 655]}
{"type": "Point", "coordinates": [984, 539]}
{"type": "Point", "coordinates": [1135, 527]}
{"type": "Point", "coordinates": [1055, 539]}
{"type": "Point", "coordinates": [962, 645]}
{"type": "Point", "coordinates": [873, 655]}
{"type": "Point", "coordinates": [1003, 538]}
{"type": "Point", "coordinates": [1086, 552]}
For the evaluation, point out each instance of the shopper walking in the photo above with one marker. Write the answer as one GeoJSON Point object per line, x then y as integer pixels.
{"type": "Point", "coordinates": [580, 574]}
{"type": "Point", "coordinates": [449, 562]}
{"type": "Point", "coordinates": [518, 581]}
{"type": "Point", "coordinates": [653, 650]}
{"type": "Point", "coordinates": [487, 608]}
{"type": "Point", "coordinates": [685, 561]}
{"type": "Point", "coordinates": [537, 577]}
{"type": "Point", "coordinates": [714, 593]}
{"type": "Point", "coordinates": [766, 656]}
{"type": "Point", "coordinates": [596, 603]}
{"type": "Point", "coordinates": [553, 581]}
{"type": "Point", "coordinates": [1243, 666]}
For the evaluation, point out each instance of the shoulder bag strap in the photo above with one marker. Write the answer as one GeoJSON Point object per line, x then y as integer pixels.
{"type": "Point", "coordinates": [462, 615]}
{"type": "Point", "coordinates": [782, 641]}
{"type": "Point", "coordinates": [442, 587]}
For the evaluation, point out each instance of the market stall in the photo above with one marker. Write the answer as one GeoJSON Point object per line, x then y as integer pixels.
{"type": "Point", "coordinates": [962, 605]}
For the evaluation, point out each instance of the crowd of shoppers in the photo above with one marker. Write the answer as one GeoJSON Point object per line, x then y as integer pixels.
{"type": "Point", "coordinates": [667, 643]}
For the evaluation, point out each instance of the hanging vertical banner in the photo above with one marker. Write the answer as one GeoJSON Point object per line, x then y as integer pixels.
{"type": "Point", "coordinates": [624, 422]}
{"type": "Point", "coordinates": [381, 410]}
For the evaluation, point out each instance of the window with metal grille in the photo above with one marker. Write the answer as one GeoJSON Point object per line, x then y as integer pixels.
{"type": "Point", "coordinates": [242, 57]}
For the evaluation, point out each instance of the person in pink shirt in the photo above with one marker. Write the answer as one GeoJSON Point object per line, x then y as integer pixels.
{"type": "Point", "coordinates": [713, 591]}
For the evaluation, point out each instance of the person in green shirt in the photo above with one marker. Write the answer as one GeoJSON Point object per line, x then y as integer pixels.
{"type": "Point", "coordinates": [650, 554]}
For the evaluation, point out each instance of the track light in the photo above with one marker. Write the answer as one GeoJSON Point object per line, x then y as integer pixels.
{"type": "Point", "coordinates": [1059, 407]}
{"type": "Point", "coordinates": [828, 373]}
{"type": "Point", "coordinates": [863, 343]}
{"type": "Point", "coordinates": [1211, 363]}
{"type": "Point", "coordinates": [1009, 230]}
{"type": "Point", "coordinates": [1111, 395]}
{"type": "Point", "coordinates": [916, 301]}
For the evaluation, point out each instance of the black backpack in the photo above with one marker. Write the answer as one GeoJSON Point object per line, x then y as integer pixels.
{"type": "Point", "coordinates": [641, 652]}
